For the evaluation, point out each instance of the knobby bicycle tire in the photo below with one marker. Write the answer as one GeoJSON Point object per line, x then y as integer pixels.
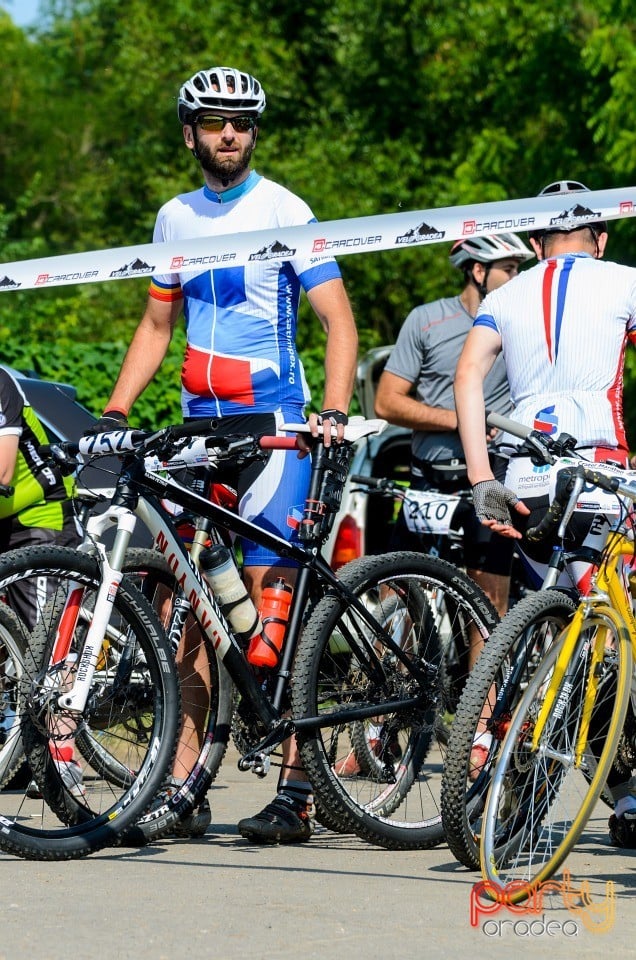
{"type": "Point", "coordinates": [434, 611]}
{"type": "Point", "coordinates": [540, 800]}
{"type": "Point", "coordinates": [12, 647]}
{"type": "Point", "coordinates": [490, 696]}
{"type": "Point", "coordinates": [140, 693]}
{"type": "Point", "coordinates": [211, 714]}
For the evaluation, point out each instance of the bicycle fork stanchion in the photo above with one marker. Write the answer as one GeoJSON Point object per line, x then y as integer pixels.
{"type": "Point", "coordinates": [75, 699]}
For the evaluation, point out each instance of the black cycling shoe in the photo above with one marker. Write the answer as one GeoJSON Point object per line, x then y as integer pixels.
{"type": "Point", "coordinates": [622, 831]}
{"type": "Point", "coordinates": [281, 821]}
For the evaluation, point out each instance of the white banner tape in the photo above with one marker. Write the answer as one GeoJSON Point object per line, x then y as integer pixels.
{"type": "Point", "coordinates": [392, 231]}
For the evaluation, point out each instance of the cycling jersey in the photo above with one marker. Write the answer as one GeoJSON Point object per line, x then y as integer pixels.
{"type": "Point", "coordinates": [426, 354]}
{"type": "Point", "coordinates": [40, 492]}
{"type": "Point", "coordinates": [39, 511]}
{"type": "Point", "coordinates": [564, 326]}
{"type": "Point", "coordinates": [241, 355]}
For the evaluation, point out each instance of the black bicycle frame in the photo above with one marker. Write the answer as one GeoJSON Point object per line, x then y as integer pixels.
{"type": "Point", "coordinates": [134, 479]}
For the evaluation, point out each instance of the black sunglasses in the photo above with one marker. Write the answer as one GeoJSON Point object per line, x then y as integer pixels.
{"type": "Point", "coordinates": [212, 124]}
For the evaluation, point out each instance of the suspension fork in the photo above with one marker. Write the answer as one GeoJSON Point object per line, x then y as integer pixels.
{"type": "Point", "coordinates": [111, 576]}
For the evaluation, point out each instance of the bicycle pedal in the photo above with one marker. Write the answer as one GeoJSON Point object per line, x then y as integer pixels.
{"type": "Point", "coordinates": [259, 764]}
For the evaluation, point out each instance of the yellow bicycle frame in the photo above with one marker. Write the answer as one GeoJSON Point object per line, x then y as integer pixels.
{"type": "Point", "coordinates": [606, 601]}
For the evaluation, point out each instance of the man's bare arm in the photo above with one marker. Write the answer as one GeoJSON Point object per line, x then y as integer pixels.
{"type": "Point", "coordinates": [393, 403]}
{"type": "Point", "coordinates": [331, 305]}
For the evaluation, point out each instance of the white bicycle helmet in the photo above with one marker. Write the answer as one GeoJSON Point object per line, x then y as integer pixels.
{"type": "Point", "coordinates": [563, 186]}
{"type": "Point", "coordinates": [487, 249]}
{"type": "Point", "coordinates": [568, 223]}
{"type": "Point", "coordinates": [223, 88]}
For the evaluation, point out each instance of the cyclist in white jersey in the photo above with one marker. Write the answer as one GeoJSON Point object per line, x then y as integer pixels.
{"type": "Point", "coordinates": [241, 363]}
{"type": "Point", "coordinates": [563, 327]}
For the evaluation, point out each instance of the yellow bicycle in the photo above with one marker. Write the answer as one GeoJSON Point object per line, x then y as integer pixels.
{"type": "Point", "coordinates": [564, 735]}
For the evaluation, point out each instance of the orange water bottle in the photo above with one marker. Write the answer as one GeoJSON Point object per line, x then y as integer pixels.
{"type": "Point", "coordinates": [264, 649]}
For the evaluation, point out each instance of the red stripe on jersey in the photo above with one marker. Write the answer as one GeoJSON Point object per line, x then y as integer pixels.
{"type": "Point", "coordinates": [547, 304]}
{"type": "Point", "coordinates": [220, 377]}
{"type": "Point", "coordinates": [165, 294]}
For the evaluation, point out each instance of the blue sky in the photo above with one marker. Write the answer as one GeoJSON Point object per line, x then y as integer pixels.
{"type": "Point", "coordinates": [22, 12]}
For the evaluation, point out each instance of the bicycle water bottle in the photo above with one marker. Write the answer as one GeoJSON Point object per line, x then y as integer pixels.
{"type": "Point", "coordinates": [264, 650]}
{"type": "Point", "coordinates": [235, 602]}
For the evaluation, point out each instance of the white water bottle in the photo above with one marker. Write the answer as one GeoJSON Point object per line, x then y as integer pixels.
{"type": "Point", "coordinates": [235, 602]}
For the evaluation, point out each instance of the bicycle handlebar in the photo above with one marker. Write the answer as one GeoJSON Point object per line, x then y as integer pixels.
{"type": "Point", "coordinates": [200, 450]}
{"type": "Point", "coordinates": [570, 483]}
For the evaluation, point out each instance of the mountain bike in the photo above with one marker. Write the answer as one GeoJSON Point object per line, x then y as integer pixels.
{"type": "Point", "coordinates": [505, 667]}
{"type": "Point", "coordinates": [348, 666]}
{"type": "Point", "coordinates": [568, 726]}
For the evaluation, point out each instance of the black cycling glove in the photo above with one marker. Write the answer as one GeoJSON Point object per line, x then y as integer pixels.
{"type": "Point", "coordinates": [109, 420]}
{"type": "Point", "coordinates": [336, 416]}
{"type": "Point", "coordinates": [492, 501]}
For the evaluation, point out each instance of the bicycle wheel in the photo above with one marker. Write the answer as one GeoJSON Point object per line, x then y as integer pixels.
{"type": "Point", "coordinates": [492, 692]}
{"type": "Point", "coordinates": [541, 798]}
{"type": "Point", "coordinates": [383, 773]}
{"type": "Point", "coordinates": [207, 703]}
{"type": "Point", "coordinates": [12, 645]}
{"type": "Point", "coordinates": [132, 710]}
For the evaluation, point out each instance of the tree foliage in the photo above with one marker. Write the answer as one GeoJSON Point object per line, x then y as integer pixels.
{"type": "Point", "coordinates": [374, 106]}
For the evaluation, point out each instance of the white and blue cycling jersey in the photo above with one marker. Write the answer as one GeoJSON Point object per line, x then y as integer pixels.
{"type": "Point", "coordinates": [564, 326]}
{"type": "Point", "coordinates": [241, 355]}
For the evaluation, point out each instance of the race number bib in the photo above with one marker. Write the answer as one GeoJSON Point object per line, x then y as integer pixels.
{"type": "Point", "coordinates": [428, 512]}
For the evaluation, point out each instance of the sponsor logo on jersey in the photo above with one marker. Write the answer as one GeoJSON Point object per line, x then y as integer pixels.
{"type": "Point", "coordinates": [133, 268]}
{"type": "Point", "coordinates": [546, 420]}
{"type": "Point", "coordinates": [273, 252]}
{"type": "Point", "coordinates": [420, 234]}
{"type": "Point", "coordinates": [8, 282]}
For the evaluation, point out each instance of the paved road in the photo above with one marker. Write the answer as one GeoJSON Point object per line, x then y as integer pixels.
{"type": "Point", "coordinates": [220, 897]}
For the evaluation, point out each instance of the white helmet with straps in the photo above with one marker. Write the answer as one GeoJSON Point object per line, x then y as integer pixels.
{"type": "Point", "coordinates": [221, 88]}
{"type": "Point", "coordinates": [500, 246]}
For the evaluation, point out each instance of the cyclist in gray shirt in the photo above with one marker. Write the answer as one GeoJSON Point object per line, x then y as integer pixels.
{"type": "Point", "coordinates": [416, 391]}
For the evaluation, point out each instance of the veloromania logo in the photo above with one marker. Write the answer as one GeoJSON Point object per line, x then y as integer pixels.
{"type": "Point", "coordinates": [488, 899]}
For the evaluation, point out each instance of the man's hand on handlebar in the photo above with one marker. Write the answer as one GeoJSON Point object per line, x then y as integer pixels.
{"type": "Point", "coordinates": [493, 502]}
{"type": "Point", "coordinates": [328, 419]}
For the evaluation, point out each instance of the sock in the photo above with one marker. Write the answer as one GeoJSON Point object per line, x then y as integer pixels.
{"type": "Point", "coordinates": [483, 739]}
{"type": "Point", "coordinates": [300, 791]}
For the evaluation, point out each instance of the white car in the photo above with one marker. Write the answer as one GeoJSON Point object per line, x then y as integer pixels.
{"type": "Point", "coordinates": [363, 524]}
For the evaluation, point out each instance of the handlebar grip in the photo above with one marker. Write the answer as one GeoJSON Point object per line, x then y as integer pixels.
{"type": "Point", "coordinates": [193, 428]}
{"type": "Point", "coordinates": [279, 443]}
{"type": "Point", "coordinates": [6, 490]}
{"type": "Point", "coordinates": [508, 426]}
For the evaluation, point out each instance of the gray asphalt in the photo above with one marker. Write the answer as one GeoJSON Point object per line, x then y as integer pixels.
{"type": "Point", "coordinates": [337, 896]}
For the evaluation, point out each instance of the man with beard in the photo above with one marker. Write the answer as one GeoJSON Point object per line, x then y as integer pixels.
{"type": "Point", "coordinates": [241, 364]}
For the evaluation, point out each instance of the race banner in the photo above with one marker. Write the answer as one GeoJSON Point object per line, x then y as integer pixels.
{"type": "Point", "coordinates": [391, 231]}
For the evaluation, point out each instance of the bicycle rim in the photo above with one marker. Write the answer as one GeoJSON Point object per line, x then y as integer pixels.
{"type": "Point", "coordinates": [540, 800]}
{"type": "Point", "coordinates": [207, 702]}
{"type": "Point", "coordinates": [383, 773]}
{"type": "Point", "coordinates": [131, 715]}
{"type": "Point", "coordinates": [494, 688]}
